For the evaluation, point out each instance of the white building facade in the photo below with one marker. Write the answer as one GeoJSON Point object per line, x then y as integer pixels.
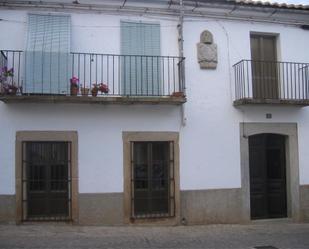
{"type": "Point", "coordinates": [167, 140]}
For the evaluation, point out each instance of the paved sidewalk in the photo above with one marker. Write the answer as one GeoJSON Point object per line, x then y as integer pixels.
{"type": "Point", "coordinates": [280, 235]}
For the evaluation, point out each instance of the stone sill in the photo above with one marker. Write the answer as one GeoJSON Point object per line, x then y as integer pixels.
{"type": "Point", "coordinates": [93, 100]}
{"type": "Point", "coordinates": [290, 102]}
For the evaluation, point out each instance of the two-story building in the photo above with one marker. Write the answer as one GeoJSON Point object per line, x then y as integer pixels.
{"type": "Point", "coordinates": [161, 112]}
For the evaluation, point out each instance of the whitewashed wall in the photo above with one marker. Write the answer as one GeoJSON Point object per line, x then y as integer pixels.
{"type": "Point", "coordinates": [210, 141]}
{"type": "Point", "coordinates": [209, 144]}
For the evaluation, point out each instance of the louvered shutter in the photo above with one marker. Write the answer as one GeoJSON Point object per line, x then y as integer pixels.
{"type": "Point", "coordinates": [141, 72]}
{"type": "Point", "coordinates": [47, 54]}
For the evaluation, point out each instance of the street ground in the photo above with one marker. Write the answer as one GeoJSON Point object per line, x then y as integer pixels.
{"type": "Point", "coordinates": [281, 235]}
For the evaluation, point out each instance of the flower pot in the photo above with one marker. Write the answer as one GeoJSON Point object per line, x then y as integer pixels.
{"type": "Point", "coordinates": [84, 91]}
{"type": "Point", "coordinates": [12, 91]}
{"type": "Point", "coordinates": [94, 93]}
{"type": "Point", "coordinates": [9, 89]}
{"type": "Point", "coordinates": [177, 94]}
{"type": "Point", "coordinates": [74, 91]}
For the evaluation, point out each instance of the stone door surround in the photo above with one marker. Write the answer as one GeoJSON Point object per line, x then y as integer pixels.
{"type": "Point", "coordinates": [292, 166]}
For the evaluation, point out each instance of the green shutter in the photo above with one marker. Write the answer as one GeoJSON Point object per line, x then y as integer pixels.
{"type": "Point", "coordinates": [140, 74]}
{"type": "Point", "coordinates": [47, 54]}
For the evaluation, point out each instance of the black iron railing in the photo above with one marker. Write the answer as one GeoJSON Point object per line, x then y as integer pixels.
{"type": "Point", "coordinates": [90, 74]}
{"type": "Point", "coordinates": [271, 80]}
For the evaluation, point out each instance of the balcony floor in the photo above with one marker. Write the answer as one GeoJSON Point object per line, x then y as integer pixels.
{"type": "Point", "coordinates": [93, 100]}
{"type": "Point", "coordinates": [291, 102]}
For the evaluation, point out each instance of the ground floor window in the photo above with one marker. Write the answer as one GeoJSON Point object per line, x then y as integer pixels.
{"type": "Point", "coordinates": [151, 177]}
{"type": "Point", "coordinates": [152, 183]}
{"type": "Point", "coordinates": [46, 180]}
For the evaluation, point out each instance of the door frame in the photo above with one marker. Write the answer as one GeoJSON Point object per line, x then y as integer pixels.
{"type": "Point", "coordinates": [292, 164]}
{"type": "Point", "coordinates": [49, 136]}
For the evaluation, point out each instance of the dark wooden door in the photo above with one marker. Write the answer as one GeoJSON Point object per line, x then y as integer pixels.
{"type": "Point", "coordinates": [47, 169]}
{"type": "Point", "coordinates": [267, 176]}
{"type": "Point", "coordinates": [151, 179]}
{"type": "Point", "coordinates": [264, 67]}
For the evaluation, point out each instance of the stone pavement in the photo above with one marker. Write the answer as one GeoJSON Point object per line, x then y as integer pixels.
{"type": "Point", "coordinates": [280, 235]}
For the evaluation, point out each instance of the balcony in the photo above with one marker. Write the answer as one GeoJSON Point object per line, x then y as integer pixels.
{"type": "Point", "coordinates": [34, 76]}
{"type": "Point", "coordinates": [267, 82]}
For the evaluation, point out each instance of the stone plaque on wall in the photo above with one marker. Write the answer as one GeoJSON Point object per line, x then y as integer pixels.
{"type": "Point", "coordinates": [207, 51]}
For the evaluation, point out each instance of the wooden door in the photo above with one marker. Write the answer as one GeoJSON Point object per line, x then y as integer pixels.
{"type": "Point", "coordinates": [264, 67]}
{"type": "Point", "coordinates": [267, 176]}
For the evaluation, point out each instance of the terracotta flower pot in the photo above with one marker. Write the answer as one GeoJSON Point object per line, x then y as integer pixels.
{"type": "Point", "coordinates": [177, 94]}
{"type": "Point", "coordinates": [12, 91]}
{"type": "Point", "coordinates": [94, 92]}
{"type": "Point", "coordinates": [74, 91]}
{"type": "Point", "coordinates": [84, 91]}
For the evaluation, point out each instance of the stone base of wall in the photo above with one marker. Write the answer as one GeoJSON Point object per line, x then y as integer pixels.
{"type": "Point", "coordinates": [304, 203]}
{"type": "Point", "coordinates": [217, 206]}
{"type": "Point", "coordinates": [7, 209]}
{"type": "Point", "coordinates": [101, 209]}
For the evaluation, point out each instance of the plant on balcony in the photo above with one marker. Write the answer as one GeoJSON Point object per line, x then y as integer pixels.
{"type": "Point", "coordinates": [178, 94]}
{"type": "Point", "coordinates": [94, 90]}
{"type": "Point", "coordinates": [6, 80]}
{"type": "Point", "coordinates": [74, 85]}
{"type": "Point", "coordinates": [103, 88]}
{"type": "Point", "coordinates": [84, 90]}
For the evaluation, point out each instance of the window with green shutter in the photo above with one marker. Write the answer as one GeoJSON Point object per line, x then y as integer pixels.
{"type": "Point", "coordinates": [47, 54]}
{"type": "Point", "coordinates": [140, 63]}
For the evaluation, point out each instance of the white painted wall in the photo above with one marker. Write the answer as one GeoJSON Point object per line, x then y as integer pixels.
{"type": "Point", "coordinates": [212, 131]}
{"type": "Point", "coordinates": [209, 143]}
{"type": "Point", "coordinates": [99, 130]}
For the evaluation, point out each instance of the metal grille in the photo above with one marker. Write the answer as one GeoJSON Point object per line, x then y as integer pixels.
{"type": "Point", "coordinates": [271, 80]}
{"type": "Point", "coordinates": [122, 75]}
{"type": "Point", "coordinates": [46, 181]}
{"type": "Point", "coordinates": [152, 179]}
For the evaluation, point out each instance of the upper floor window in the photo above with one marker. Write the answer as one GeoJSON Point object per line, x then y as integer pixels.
{"type": "Point", "coordinates": [47, 54]}
{"type": "Point", "coordinates": [141, 72]}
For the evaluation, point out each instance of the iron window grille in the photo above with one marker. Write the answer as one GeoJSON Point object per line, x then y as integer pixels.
{"type": "Point", "coordinates": [46, 181]}
{"type": "Point", "coordinates": [152, 179]}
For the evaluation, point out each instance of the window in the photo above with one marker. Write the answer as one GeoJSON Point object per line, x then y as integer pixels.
{"type": "Point", "coordinates": [46, 180]}
{"type": "Point", "coordinates": [47, 54]}
{"type": "Point", "coordinates": [140, 45]}
{"type": "Point", "coordinates": [46, 175]}
{"type": "Point", "coordinates": [153, 175]}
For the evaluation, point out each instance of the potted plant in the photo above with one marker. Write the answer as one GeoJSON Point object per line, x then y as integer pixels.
{"type": "Point", "coordinates": [94, 90]}
{"type": "Point", "coordinates": [103, 88]}
{"type": "Point", "coordinates": [177, 94]}
{"type": "Point", "coordinates": [84, 90]}
{"type": "Point", "coordinates": [8, 88]}
{"type": "Point", "coordinates": [74, 86]}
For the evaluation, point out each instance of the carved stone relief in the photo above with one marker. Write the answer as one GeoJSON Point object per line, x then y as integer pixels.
{"type": "Point", "coordinates": [207, 51]}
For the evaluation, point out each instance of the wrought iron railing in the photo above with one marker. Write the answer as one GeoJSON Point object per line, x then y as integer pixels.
{"type": "Point", "coordinates": [275, 80]}
{"type": "Point", "coordinates": [90, 74]}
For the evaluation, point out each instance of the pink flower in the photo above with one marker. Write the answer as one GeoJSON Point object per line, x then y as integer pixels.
{"type": "Point", "coordinates": [103, 88]}
{"type": "Point", "coordinates": [74, 81]}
